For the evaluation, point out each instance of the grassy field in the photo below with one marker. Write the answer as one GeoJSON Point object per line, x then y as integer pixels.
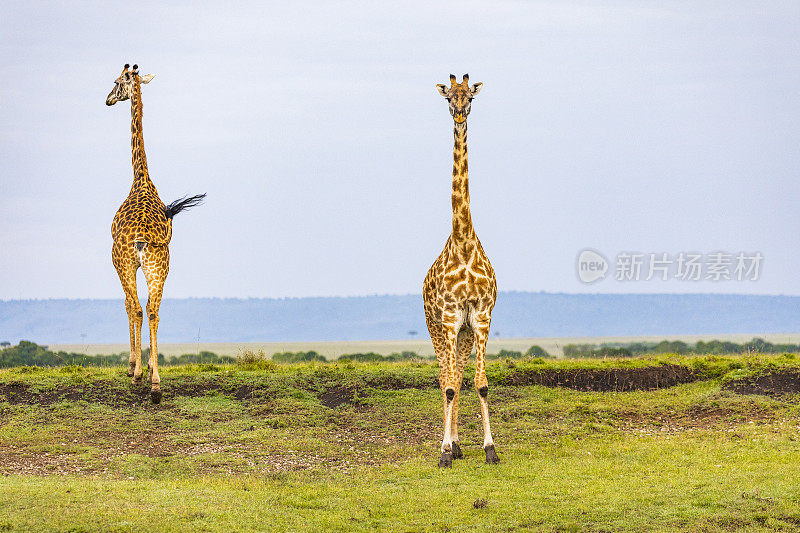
{"type": "Point", "coordinates": [355, 447]}
{"type": "Point", "coordinates": [422, 345]}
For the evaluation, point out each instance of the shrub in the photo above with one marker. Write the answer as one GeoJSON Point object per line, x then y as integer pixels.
{"type": "Point", "coordinates": [508, 354]}
{"type": "Point", "coordinates": [369, 357]}
{"type": "Point", "coordinates": [297, 357]}
{"type": "Point", "coordinates": [200, 358]}
{"type": "Point", "coordinates": [578, 350]}
{"type": "Point", "coordinates": [251, 360]}
{"type": "Point", "coordinates": [537, 351]}
{"type": "Point", "coordinates": [591, 351]}
{"type": "Point", "coordinates": [404, 356]}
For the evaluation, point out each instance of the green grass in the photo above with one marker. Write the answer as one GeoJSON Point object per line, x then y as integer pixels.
{"type": "Point", "coordinates": [236, 449]}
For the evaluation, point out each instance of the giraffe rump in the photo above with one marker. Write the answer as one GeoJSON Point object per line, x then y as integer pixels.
{"type": "Point", "coordinates": [183, 203]}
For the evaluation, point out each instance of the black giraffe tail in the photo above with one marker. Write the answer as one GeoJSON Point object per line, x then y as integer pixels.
{"type": "Point", "coordinates": [183, 203]}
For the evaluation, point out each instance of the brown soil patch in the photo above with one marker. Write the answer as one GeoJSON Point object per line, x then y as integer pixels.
{"type": "Point", "coordinates": [66, 459]}
{"type": "Point", "coordinates": [777, 383]}
{"type": "Point", "coordinates": [116, 394]}
{"type": "Point", "coordinates": [103, 392]}
{"type": "Point", "coordinates": [20, 462]}
{"type": "Point", "coordinates": [582, 379]}
{"type": "Point", "coordinates": [17, 393]}
{"type": "Point", "coordinates": [336, 396]}
{"type": "Point", "coordinates": [606, 380]}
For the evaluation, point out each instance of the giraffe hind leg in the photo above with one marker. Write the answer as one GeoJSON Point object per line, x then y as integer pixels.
{"type": "Point", "coordinates": [126, 267]}
{"type": "Point", "coordinates": [155, 265]}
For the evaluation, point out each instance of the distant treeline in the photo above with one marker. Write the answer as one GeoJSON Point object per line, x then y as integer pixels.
{"type": "Point", "coordinates": [756, 345]}
{"type": "Point", "coordinates": [368, 357]}
{"type": "Point", "coordinates": [372, 357]}
{"type": "Point", "coordinates": [28, 353]}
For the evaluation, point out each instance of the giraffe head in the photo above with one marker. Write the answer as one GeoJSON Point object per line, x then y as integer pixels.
{"type": "Point", "coordinates": [123, 86]}
{"type": "Point", "coordinates": [460, 96]}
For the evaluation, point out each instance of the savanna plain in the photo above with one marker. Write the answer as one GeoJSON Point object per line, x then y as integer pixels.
{"type": "Point", "coordinates": [653, 443]}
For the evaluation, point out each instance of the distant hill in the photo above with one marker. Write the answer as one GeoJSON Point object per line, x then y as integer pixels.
{"type": "Point", "coordinates": [517, 314]}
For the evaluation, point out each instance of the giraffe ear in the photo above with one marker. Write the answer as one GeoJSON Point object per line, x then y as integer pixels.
{"type": "Point", "coordinates": [476, 88]}
{"type": "Point", "coordinates": [442, 89]}
{"type": "Point", "coordinates": [147, 78]}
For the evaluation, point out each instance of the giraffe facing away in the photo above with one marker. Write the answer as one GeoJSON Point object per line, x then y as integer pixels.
{"type": "Point", "coordinates": [142, 230]}
{"type": "Point", "coordinates": [460, 291]}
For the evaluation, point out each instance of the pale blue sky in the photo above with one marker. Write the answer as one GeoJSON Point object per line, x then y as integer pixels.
{"type": "Point", "coordinates": [325, 150]}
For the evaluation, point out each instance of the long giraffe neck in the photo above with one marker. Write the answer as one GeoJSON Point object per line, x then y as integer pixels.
{"type": "Point", "coordinates": [141, 178]}
{"type": "Point", "coordinates": [462, 219]}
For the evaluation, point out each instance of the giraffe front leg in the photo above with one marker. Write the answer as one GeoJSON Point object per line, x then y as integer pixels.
{"type": "Point", "coordinates": [454, 446]}
{"type": "Point", "coordinates": [464, 343]}
{"type": "Point", "coordinates": [449, 391]}
{"type": "Point", "coordinates": [446, 459]}
{"type": "Point", "coordinates": [482, 386]}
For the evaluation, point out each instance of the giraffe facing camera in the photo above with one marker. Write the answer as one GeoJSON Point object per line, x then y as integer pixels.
{"type": "Point", "coordinates": [460, 290]}
{"type": "Point", "coordinates": [459, 96]}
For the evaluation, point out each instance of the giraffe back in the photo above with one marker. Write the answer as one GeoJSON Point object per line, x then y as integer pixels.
{"type": "Point", "coordinates": [142, 217]}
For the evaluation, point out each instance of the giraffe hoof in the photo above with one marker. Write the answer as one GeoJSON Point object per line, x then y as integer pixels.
{"type": "Point", "coordinates": [155, 395]}
{"type": "Point", "coordinates": [457, 453]}
{"type": "Point", "coordinates": [131, 370]}
{"type": "Point", "coordinates": [136, 380]}
{"type": "Point", "coordinates": [491, 455]}
{"type": "Point", "coordinates": [446, 460]}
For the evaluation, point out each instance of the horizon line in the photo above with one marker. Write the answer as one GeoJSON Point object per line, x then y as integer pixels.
{"type": "Point", "coordinates": [384, 295]}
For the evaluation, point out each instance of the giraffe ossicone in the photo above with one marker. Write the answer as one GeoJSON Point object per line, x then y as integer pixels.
{"type": "Point", "coordinates": [141, 231]}
{"type": "Point", "coordinates": [460, 290]}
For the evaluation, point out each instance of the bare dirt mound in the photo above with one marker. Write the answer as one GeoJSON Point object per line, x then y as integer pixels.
{"type": "Point", "coordinates": [114, 394]}
{"type": "Point", "coordinates": [336, 396]}
{"type": "Point", "coordinates": [776, 383]}
{"type": "Point", "coordinates": [582, 379]}
{"type": "Point", "coordinates": [606, 380]}
{"type": "Point", "coordinates": [104, 392]}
